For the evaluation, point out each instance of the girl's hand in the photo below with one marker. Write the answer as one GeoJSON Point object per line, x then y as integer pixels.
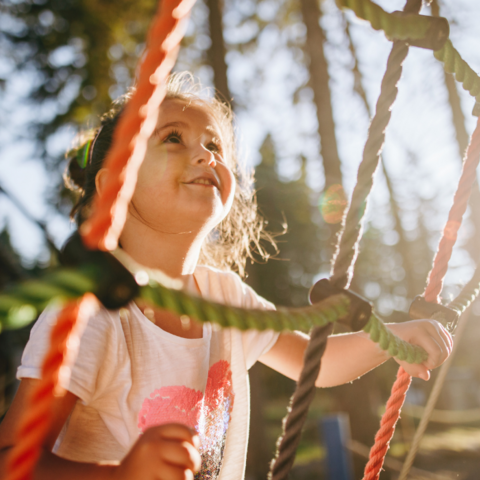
{"type": "Point", "coordinates": [167, 452]}
{"type": "Point", "coordinates": [432, 337]}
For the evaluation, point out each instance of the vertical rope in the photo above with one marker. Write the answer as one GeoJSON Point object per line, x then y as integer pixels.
{"type": "Point", "coordinates": [430, 406]}
{"type": "Point", "coordinates": [135, 126]}
{"type": "Point", "coordinates": [34, 426]}
{"type": "Point", "coordinates": [348, 244]}
{"type": "Point", "coordinates": [387, 425]}
{"type": "Point", "coordinates": [299, 404]}
{"type": "Point", "coordinates": [435, 279]}
{"type": "Point", "coordinates": [460, 202]}
{"type": "Point", "coordinates": [109, 213]}
{"type": "Point", "coordinates": [437, 275]}
{"type": "Point", "coordinates": [347, 247]}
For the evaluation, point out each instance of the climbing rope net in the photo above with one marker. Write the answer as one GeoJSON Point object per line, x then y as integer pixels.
{"type": "Point", "coordinates": [91, 274]}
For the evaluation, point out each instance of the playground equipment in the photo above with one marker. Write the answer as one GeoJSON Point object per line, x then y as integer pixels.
{"type": "Point", "coordinates": [89, 268]}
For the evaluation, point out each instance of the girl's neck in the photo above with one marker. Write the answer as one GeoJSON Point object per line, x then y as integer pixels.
{"type": "Point", "coordinates": [174, 254]}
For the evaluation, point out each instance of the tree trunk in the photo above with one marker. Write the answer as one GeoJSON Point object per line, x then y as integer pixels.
{"type": "Point", "coordinates": [217, 49]}
{"type": "Point", "coordinates": [321, 92]}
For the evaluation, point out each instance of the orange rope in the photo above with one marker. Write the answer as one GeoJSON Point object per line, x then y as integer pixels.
{"type": "Point", "coordinates": [387, 425]}
{"type": "Point", "coordinates": [135, 126]}
{"type": "Point", "coordinates": [105, 225]}
{"type": "Point", "coordinates": [432, 292]}
{"type": "Point", "coordinates": [460, 201]}
{"type": "Point", "coordinates": [33, 427]}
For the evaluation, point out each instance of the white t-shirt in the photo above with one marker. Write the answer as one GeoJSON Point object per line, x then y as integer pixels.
{"type": "Point", "coordinates": [129, 375]}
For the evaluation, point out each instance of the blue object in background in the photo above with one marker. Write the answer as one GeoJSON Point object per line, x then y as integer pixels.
{"type": "Point", "coordinates": [335, 430]}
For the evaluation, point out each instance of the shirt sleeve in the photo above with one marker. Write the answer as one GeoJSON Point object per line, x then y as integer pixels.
{"type": "Point", "coordinates": [93, 363]}
{"type": "Point", "coordinates": [255, 342]}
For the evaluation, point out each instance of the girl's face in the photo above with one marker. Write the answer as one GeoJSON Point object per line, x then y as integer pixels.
{"type": "Point", "coordinates": [184, 184]}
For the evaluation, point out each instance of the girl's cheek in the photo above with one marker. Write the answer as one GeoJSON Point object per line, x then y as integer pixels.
{"type": "Point", "coordinates": [229, 190]}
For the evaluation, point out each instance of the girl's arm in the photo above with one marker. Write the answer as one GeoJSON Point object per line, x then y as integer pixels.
{"type": "Point", "coordinates": [351, 355]}
{"type": "Point", "coordinates": [162, 453]}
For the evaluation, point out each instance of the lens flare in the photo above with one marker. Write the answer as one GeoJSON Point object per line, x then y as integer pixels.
{"type": "Point", "coordinates": [333, 203]}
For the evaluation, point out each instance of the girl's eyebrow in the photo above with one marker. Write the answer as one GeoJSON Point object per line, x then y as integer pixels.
{"type": "Point", "coordinates": [171, 124]}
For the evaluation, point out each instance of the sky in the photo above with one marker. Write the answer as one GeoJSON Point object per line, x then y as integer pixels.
{"type": "Point", "coordinates": [265, 81]}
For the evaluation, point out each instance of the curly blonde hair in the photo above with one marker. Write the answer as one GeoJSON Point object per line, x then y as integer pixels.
{"type": "Point", "coordinates": [234, 240]}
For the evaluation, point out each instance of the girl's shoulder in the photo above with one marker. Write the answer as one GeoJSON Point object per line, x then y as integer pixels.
{"type": "Point", "coordinates": [227, 287]}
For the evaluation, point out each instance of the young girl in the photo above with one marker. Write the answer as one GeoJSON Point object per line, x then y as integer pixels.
{"type": "Point", "coordinates": [155, 396]}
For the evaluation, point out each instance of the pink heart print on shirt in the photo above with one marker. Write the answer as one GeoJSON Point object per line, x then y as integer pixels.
{"type": "Point", "coordinates": [208, 414]}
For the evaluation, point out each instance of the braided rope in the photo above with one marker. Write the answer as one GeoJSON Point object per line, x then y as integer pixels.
{"type": "Point", "coordinates": [104, 227]}
{"type": "Point", "coordinates": [25, 301]}
{"type": "Point", "coordinates": [454, 63]}
{"type": "Point", "coordinates": [460, 202]}
{"type": "Point", "coordinates": [347, 247]}
{"type": "Point", "coordinates": [395, 346]}
{"type": "Point", "coordinates": [436, 276]}
{"type": "Point", "coordinates": [430, 406]}
{"type": "Point", "coordinates": [440, 265]}
{"type": "Point", "coordinates": [300, 402]}
{"type": "Point", "coordinates": [387, 425]}
{"type": "Point", "coordinates": [135, 126]}
{"type": "Point", "coordinates": [468, 293]}
{"type": "Point", "coordinates": [396, 27]}
{"type": "Point", "coordinates": [33, 427]}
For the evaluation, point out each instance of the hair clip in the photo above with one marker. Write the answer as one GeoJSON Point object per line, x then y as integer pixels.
{"type": "Point", "coordinates": [83, 155]}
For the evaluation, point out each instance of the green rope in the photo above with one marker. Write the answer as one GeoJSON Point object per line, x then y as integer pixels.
{"type": "Point", "coordinates": [395, 346]}
{"type": "Point", "coordinates": [318, 315]}
{"type": "Point", "coordinates": [396, 26]}
{"type": "Point", "coordinates": [454, 63]}
{"type": "Point", "coordinates": [23, 303]}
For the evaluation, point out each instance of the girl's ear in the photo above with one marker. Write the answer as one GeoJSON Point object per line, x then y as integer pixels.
{"type": "Point", "coordinates": [100, 179]}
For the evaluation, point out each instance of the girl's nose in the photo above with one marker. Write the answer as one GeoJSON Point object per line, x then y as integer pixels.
{"type": "Point", "coordinates": [205, 156]}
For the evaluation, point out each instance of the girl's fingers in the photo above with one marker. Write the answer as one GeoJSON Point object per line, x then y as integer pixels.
{"type": "Point", "coordinates": [180, 454]}
{"type": "Point", "coordinates": [175, 431]}
{"type": "Point", "coordinates": [416, 370]}
{"type": "Point", "coordinates": [446, 334]}
{"type": "Point", "coordinates": [439, 330]}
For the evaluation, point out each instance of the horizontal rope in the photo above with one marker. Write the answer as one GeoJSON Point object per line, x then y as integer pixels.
{"type": "Point", "coordinates": [394, 345]}
{"type": "Point", "coordinates": [403, 26]}
{"type": "Point", "coordinates": [23, 303]}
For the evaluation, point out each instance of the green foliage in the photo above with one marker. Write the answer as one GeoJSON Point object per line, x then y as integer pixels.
{"type": "Point", "coordinates": [89, 47]}
{"type": "Point", "coordinates": [288, 208]}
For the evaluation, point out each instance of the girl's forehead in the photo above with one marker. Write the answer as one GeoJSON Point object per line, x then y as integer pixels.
{"type": "Point", "coordinates": [191, 113]}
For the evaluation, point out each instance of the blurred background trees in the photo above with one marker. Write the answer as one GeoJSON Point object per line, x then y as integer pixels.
{"type": "Point", "coordinates": [303, 79]}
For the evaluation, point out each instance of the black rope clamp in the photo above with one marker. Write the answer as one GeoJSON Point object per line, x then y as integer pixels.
{"type": "Point", "coordinates": [437, 33]}
{"type": "Point", "coordinates": [360, 309]}
{"type": "Point", "coordinates": [115, 286]}
{"type": "Point", "coordinates": [420, 308]}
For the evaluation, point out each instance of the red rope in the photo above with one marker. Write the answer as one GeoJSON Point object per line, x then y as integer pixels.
{"type": "Point", "coordinates": [460, 201]}
{"type": "Point", "coordinates": [105, 225]}
{"type": "Point", "coordinates": [33, 427]}
{"type": "Point", "coordinates": [135, 127]}
{"type": "Point", "coordinates": [432, 294]}
{"type": "Point", "coordinates": [387, 425]}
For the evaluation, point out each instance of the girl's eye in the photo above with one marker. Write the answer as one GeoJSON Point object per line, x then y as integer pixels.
{"type": "Point", "coordinates": [173, 137]}
{"type": "Point", "coordinates": [213, 147]}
